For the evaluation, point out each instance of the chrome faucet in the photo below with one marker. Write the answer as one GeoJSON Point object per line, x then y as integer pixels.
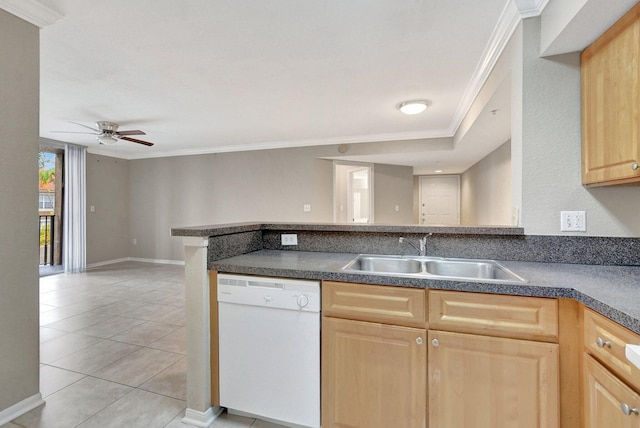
{"type": "Point", "coordinates": [421, 248]}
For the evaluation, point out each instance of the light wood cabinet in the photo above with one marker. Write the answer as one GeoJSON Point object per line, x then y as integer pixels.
{"type": "Point", "coordinates": [374, 358]}
{"type": "Point", "coordinates": [490, 364]}
{"type": "Point", "coordinates": [606, 340]}
{"type": "Point", "coordinates": [480, 381]}
{"type": "Point", "coordinates": [373, 375]}
{"type": "Point", "coordinates": [610, 79]}
{"type": "Point", "coordinates": [608, 402]}
{"type": "Point", "coordinates": [610, 382]}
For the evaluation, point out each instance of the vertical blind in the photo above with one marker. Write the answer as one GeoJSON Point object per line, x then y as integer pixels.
{"type": "Point", "coordinates": [75, 218]}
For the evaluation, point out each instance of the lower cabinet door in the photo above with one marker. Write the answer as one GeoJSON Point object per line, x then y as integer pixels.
{"type": "Point", "coordinates": [607, 401]}
{"type": "Point", "coordinates": [491, 382]}
{"type": "Point", "coordinates": [373, 375]}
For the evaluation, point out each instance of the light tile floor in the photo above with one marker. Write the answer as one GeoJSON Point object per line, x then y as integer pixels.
{"type": "Point", "coordinates": [112, 350]}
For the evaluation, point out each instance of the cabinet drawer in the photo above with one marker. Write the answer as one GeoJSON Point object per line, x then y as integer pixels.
{"type": "Point", "coordinates": [494, 315]}
{"type": "Point", "coordinates": [606, 340]}
{"type": "Point", "coordinates": [376, 303]}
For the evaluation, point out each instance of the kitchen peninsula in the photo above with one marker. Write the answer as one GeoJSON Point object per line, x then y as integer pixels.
{"type": "Point", "coordinates": [599, 273]}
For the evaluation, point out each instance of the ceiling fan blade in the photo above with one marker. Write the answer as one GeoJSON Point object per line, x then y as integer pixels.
{"type": "Point", "coordinates": [75, 132]}
{"type": "Point", "coordinates": [131, 132]}
{"type": "Point", "coordinates": [133, 140]}
{"type": "Point", "coordinates": [85, 126]}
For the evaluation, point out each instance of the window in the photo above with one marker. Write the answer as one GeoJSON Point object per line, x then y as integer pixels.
{"type": "Point", "coordinates": [46, 201]}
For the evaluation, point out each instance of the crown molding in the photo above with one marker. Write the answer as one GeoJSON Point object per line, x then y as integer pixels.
{"type": "Point", "coordinates": [507, 23]}
{"type": "Point", "coordinates": [31, 11]}
{"type": "Point", "coordinates": [530, 8]}
{"type": "Point", "coordinates": [373, 138]}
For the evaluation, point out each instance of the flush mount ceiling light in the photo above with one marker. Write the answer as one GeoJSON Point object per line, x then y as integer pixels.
{"type": "Point", "coordinates": [414, 106]}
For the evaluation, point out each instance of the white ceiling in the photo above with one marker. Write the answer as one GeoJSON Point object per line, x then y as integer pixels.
{"type": "Point", "coordinates": [203, 76]}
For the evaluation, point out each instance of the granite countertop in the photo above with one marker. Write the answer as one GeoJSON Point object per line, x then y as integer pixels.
{"type": "Point", "coordinates": [613, 291]}
{"type": "Point", "coordinates": [225, 229]}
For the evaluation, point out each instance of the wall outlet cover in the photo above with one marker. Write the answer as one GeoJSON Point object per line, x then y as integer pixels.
{"type": "Point", "coordinates": [573, 221]}
{"type": "Point", "coordinates": [289, 239]}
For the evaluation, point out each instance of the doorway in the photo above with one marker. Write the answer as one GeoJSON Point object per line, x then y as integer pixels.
{"type": "Point", "coordinates": [50, 215]}
{"type": "Point", "coordinates": [439, 200]}
{"type": "Point", "coordinates": [352, 192]}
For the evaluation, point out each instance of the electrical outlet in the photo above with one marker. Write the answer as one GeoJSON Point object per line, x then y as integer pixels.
{"type": "Point", "coordinates": [573, 221]}
{"type": "Point", "coordinates": [306, 208]}
{"type": "Point", "coordinates": [135, 241]}
{"type": "Point", "coordinates": [515, 216]}
{"type": "Point", "coordinates": [289, 239]}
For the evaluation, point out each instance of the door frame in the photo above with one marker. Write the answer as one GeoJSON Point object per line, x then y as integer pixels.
{"type": "Point", "coordinates": [336, 201]}
{"type": "Point", "coordinates": [58, 209]}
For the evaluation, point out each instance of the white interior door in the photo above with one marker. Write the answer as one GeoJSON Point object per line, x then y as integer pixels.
{"type": "Point", "coordinates": [359, 195]}
{"type": "Point", "coordinates": [440, 200]}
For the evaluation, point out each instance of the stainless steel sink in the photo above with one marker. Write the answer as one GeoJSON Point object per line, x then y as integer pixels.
{"type": "Point", "coordinates": [482, 269]}
{"type": "Point", "coordinates": [433, 267]}
{"type": "Point", "coordinates": [386, 264]}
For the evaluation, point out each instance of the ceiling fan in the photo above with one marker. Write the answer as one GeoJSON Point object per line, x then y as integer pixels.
{"type": "Point", "coordinates": [107, 133]}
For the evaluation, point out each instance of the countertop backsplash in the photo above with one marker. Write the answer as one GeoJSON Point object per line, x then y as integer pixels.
{"type": "Point", "coordinates": [499, 243]}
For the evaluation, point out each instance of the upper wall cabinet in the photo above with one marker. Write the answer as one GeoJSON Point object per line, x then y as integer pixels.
{"type": "Point", "coordinates": [610, 70]}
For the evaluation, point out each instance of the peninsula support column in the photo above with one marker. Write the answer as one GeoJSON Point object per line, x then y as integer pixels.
{"type": "Point", "coordinates": [200, 412]}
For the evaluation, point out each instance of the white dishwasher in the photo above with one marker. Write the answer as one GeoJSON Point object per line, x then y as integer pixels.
{"type": "Point", "coordinates": [269, 333]}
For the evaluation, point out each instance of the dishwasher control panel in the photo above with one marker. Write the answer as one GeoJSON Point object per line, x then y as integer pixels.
{"type": "Point", "coordinates": [280, 293]}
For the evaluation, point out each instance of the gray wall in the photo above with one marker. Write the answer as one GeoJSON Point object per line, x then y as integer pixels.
{"type": "Point", "coordinates": [485, 190]}
{"type": "Point", "coordinates": [551, 165]}
{"type": "Point", "coordinates": [393, 185]}
{"type": "Point", "coordinates": [264, 185]}
{"type": "Point", "coordinates": [108, 192]}
{"type": "Point", "coordinates": [19, 109]}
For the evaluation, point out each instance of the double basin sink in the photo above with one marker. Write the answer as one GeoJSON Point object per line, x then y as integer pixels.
{"type": "Point", "coordinates": [432, 267]}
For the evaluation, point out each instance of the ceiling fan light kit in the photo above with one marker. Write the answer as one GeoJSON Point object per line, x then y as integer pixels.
{"type": "Point", "coordinates": [107, 133]}
{"type": "Point", "coordinates": [107, 139]}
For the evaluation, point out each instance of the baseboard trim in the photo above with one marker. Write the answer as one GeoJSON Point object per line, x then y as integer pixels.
{"type": "Point", "coordinates": [201, 419]}
{"type": "Point", "coordinates": [19, 409]}
{"type": "Point", "coordinates": [107, 262]}
{"type": "Point", "coordinates": [159, 261]}
{"type": "Point", "coordinates": [135, 259]}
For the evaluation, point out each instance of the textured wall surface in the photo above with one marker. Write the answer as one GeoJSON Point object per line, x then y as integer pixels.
{"type": "Point", "coordinates": [551, 151]}
{"type": "Point", "coordinates": [19, 92]}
